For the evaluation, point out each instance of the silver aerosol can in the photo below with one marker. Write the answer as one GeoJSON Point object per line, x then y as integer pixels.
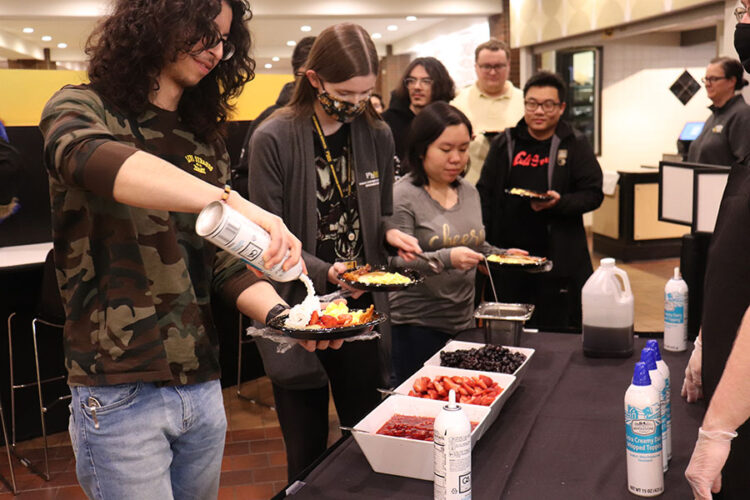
{"type": "Point", "coordinates": [643, 435]}
{"type": "Point", "coordinates": [228, 229]}
{"type": "Point", "coordinates": [675, 313]}
{"type": "Point", "coordinates": [452, 455]}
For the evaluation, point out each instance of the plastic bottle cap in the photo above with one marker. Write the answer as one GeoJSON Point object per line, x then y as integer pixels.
{"type": "Point", "coordinates": [677, 275]}
{"type": "Point", "coordinates": [607, 262]}
{"type": "Point", "coordinates": [640, 374]}
{"type": "Point", "coordinates": [653, 344]}
{"type": "Point", "coordinates": [452, 399]}
{"type": "Point", "coordinates": [648, 357]}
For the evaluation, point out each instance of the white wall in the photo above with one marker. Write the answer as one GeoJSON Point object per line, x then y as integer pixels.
{"type": "Point", "coordinates": [453, 42]}
{"type": "Point", "coordinates": [641, 118]}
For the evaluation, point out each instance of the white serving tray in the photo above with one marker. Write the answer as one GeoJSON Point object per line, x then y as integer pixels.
{"type": "Point", "coordinates": [507, 382]}
{"type": "Point", "coordinates": [455, 345]}
{"type": "Point", "coordinates": [402, 456]}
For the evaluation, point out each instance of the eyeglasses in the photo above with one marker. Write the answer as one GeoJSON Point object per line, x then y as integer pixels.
{"type": "Point", "coordinates": [740, 12]}
{"type": "Point", "coordinates": [712, 79]}
{"type": "Point", "coordinates": [412, 82]}
{"type": "Point", "coordinates": [227, 48]}
{"type": "Point", "coordinates": [547, 106]}
{"type": "Point", "coordinates": [492, 67]}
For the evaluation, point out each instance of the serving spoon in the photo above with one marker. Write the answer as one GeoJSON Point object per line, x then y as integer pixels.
{"type": "Point", "coordinates": [435, 264]}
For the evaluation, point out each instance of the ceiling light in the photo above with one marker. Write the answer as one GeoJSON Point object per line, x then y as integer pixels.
{"type": "Point", "coordinates": [392, 27]}
{"type": "Point", "coordinates": [46, 38]}
{"type": "Point", "coordinates": [268, 66]}
{"type": "Point", "coordinates": [377, 36]}
{"type": "Point", "coordinates": [411, 19]}
{"type": "Point", "coordinates": [28, 30]}
{"type": "Point", "coordinates": [275, 59]}
{"type": "Point", "coordinates": [305, 28]}
{"type": "Point", "coordinates": [62, 45]}
{"type": "Point", "coordinates": [291, 43]}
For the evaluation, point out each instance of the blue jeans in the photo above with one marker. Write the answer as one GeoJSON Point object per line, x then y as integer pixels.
{"type": "Point", "coordinates": [139, 441]}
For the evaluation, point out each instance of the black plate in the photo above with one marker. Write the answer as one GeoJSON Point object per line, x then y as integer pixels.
{"type": "Point", "coordinates": [543, 266]}
{"type": "Point", "coordinates": [415, 277]}
{"type": "Point", "coordinates": [327, 333]}
{"type": "Point", "coordinates": [535, 197]}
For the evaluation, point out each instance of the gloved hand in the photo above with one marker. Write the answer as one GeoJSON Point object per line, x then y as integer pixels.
{"type": "Point", "coordinates": [692, 387]}
{"type": "Point", "coordinates": [704, 470]}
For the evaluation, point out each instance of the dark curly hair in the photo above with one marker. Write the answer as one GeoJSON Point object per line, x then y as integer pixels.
{"type": "Point", "coordinates": [443, 88]}
{"type": "Point", "coordinates": [129, 48]}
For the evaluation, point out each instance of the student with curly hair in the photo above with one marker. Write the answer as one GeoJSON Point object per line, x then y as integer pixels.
{"type": "Point", "coordinates": [425, 80]}
{"type": "Point", "coordinates": [132, 158]}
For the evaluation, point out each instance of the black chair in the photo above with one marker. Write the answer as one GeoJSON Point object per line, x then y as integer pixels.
{"type": "Point", "coordinates": [50, 314]}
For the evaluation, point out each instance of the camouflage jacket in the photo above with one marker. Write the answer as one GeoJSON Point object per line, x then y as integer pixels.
{"type": "Point", "coordinates": [135, 283]}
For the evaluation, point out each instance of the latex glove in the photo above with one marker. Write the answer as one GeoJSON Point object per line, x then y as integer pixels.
{"type": "Point", "coordinates": [692, 387]}
{"type": "Point", "coordinates": [704, 470]}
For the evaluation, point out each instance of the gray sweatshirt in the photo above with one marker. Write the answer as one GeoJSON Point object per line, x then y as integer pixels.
{"type": "Point", "coordinates": [443, 301]}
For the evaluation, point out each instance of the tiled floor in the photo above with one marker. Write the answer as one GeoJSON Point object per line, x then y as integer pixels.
{"type": "Point", "coordinates": [254, 465]}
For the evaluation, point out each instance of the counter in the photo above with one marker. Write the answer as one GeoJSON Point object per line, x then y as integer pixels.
{"type": "Point", "coordinates": [561, 435]}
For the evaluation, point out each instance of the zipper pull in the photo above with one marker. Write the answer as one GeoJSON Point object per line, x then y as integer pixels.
{"type": "Point", "coordinates": [93, 405]}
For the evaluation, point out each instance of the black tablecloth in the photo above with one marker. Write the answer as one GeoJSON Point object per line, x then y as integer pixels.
{"type": "Point", "coordinates": [560, 435]}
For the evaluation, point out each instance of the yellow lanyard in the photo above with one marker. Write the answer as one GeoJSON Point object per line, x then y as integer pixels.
{"type": "Point", "coordinates": [329, 159]}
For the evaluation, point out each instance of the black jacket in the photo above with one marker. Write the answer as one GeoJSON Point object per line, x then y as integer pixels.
{"type": "Point", "coordinates": [240, 170]}
{"type": "Point", "coordinates": [573, 171]}
{"type": "Point", "coordinates": [398, 116]}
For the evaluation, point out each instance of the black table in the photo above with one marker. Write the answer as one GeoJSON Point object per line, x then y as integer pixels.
{"type": "Point", "coordinates": [561, 435]}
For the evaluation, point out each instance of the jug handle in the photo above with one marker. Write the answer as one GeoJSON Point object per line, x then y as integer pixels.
{"type": "Point", "coordinates": [624, 278]}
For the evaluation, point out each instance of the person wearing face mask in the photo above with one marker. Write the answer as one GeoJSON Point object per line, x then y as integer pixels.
{"type": "Point", "coordinates": [723, 140]}
{"type": "Point", "coordinates": [132, 158]}
{"type": "Point", "coordinates": [717, 369]}
{"type": "Point", "coordinates": [325, 164]}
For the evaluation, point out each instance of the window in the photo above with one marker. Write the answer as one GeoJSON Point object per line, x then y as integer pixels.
{"type": "Point", "coordinates": [581, 70]}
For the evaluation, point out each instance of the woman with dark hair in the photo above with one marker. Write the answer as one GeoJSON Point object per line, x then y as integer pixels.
{"type": "Point", "coordinates": [723, 140]}
{"type": "Point", "coordinates": [425, 81]}
{"type": "Point", "coordinates": [132, 158]}
{"type": "Point", "coordinates": [325, 164]}
{"type": "Point", "coordinates": [437, 206]}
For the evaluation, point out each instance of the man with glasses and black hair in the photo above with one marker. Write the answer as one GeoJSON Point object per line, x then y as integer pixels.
{"type": "Point", "coordinates": [543, 154]}
{"type": "Point", "coordinates": [425, 81]}
{"type": "Point", "coordinates": [492, 102]}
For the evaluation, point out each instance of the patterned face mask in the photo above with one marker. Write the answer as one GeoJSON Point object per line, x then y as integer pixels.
{"type": "Point", "coordinates": [343, 111]}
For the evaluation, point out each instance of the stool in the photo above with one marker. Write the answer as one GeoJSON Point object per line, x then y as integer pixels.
{"type": "Point", "coordinates": [50, 313]}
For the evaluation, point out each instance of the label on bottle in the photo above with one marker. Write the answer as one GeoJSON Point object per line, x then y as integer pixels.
{"type": "Point", "coordinates": [452, 477]}
{"type": "Point", "coordinates": [643, 429]}
{"type": "Point", "coordinates": [674, 308]}
{"type": "Point", "coordinates": [644, 449]}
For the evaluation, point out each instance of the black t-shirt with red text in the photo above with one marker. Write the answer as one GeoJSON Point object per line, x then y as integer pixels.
{"type": "Point", "coordinates": [528, 229]}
